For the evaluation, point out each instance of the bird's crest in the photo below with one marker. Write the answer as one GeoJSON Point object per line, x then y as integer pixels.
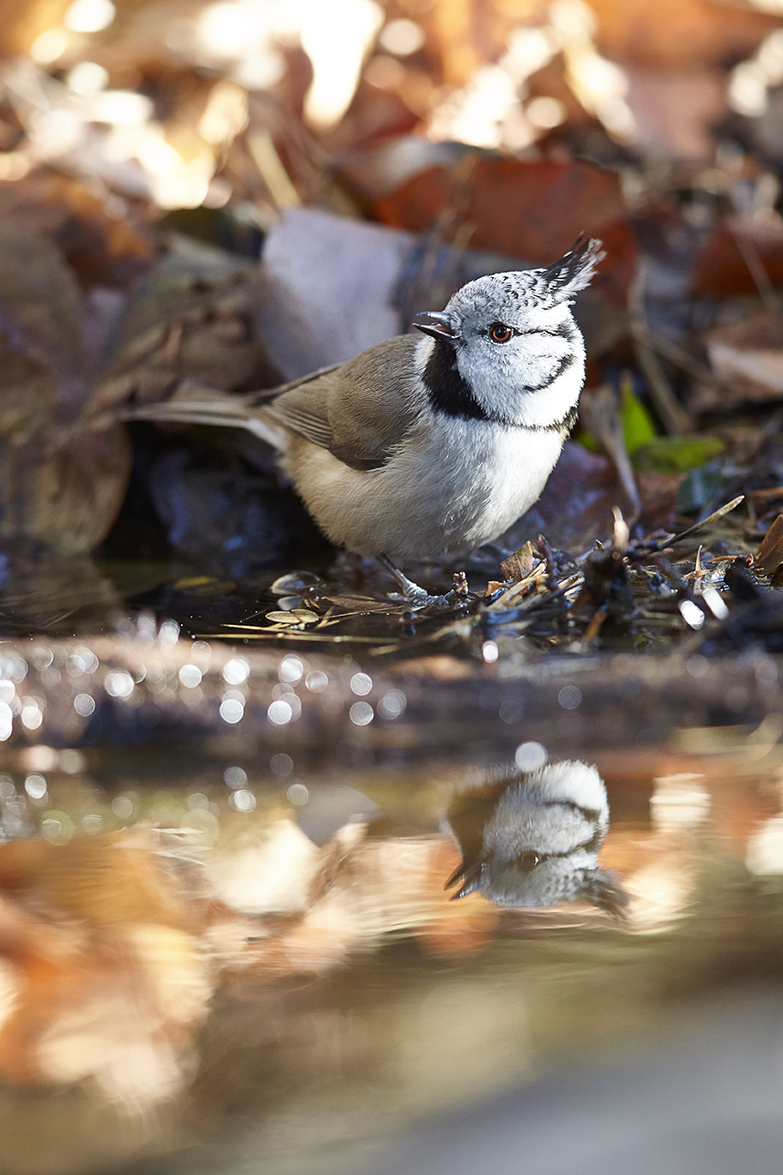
{"type": "Point", "coordinates": [574, 270]}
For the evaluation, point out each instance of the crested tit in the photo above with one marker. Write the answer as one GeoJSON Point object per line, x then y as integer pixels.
{"type": "Point", "coordinates": [426, 448]}
{"type": "Point", "coordinates": [534, 839]}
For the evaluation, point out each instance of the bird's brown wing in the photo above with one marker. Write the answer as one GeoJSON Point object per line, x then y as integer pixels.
{"type": "Point", "coordinates": [193, 403]}
{"type": "Point", "coordinates": [359, 411]}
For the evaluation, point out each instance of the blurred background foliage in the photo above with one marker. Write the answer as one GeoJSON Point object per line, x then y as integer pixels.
{"type": "Point", "coordinates": [187, 104]}
{"type": "Point", "coordinates": [492, 131]}
{"type": "Point", "coordinates": [155, 98]}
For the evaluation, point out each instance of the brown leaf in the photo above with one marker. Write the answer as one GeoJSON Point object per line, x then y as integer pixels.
{"type": "Point", "coordinates": [679, 34]}
{"type": "Point", "coordinates": [747, 357]}
{"type": "Point", "coordinates": [61, 483]}
{"type": "Point", "coordinates": [769, 556]}
{"type": "Point", "coordinates": [520, 564]}
{"type": "Point", "coordinates": [528, 209]}
{"type": "Point", "coordinates": [101, 248]}
{"type": "Point", "coordinates": [63, 489]}
{"type": "Point", "coordinates": [191, 318]}
{"type": "Point", "coordinates": [40, 329]}
{"type": "Point", "coordinates": [658, 493]}
{"type": "Point", "coordinates": [545, 204]}
{"type": "Point", "coordinates": [676, 113]}
{"type": "Point", "coordinates": [729, 261]}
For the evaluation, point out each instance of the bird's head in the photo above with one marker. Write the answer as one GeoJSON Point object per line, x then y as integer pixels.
{"type": "Point", "coordinates": [540, 841]}
{"type": "Point", "coordinates": [507, 347]}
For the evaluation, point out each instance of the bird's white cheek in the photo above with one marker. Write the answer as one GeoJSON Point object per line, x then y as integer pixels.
{"type": "Point", "coordinates": [534, 381]}
{"type": "Point", "coordinates": [551, 386]}
{"type": "Point", "coordinates": [538, 358]}
{"type": "Point", "coordinates": [540, 367]}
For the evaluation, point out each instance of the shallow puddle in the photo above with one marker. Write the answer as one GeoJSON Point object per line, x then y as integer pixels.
{"type": "Point", "coordinates": [221, 966]}
{"type": "Point", "coordinates": [274, 902]}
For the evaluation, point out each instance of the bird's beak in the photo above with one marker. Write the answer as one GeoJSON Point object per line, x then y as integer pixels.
{"type": "Point", "coordinates": [469, 876]}
{"type": "Point", "coordinates": [438, 325]}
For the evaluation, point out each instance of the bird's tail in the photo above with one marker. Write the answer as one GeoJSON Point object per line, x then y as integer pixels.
{"type": "Point", "coordinates": [196, 404]}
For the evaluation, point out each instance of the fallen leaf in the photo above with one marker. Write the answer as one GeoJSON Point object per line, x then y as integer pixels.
{"type": "Point", "coordinates": [101, 248]}
{"type": "Point", "coordinates": [519, 565]}
{"type": "Point", "coordinates": [769, 556]}
{"type": "Point", "coordinates": [736, 255]}
{"type": "Point", "coordinates": [658, 494]}
{"type": "Point", "coordinates": [62, 488]}
{"type": "Point", "coordinates": [41, 329]}
{"type": "Point", "coordinates": [747, 358]}
{"type": "Point", "coordinates": [528, 209]}
{"type": "Point", "coordinates": [191, 318]}
{"type": "Point", "coordinates": [679, 34]}
{"type": "Point", "coordinates": [61, 482]}
{"type": "Point", "coordinates": [675, 113]}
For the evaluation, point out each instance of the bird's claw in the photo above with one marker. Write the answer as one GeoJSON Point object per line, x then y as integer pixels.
{"type": "Point", "coordinates": [417, 597]}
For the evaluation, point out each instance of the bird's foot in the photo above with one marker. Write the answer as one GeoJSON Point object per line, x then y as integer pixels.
{"type": "Point", "coordinates": [416, 597]}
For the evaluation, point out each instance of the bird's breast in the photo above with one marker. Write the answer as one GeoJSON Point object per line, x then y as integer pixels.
{"type": "Point", "coordinates": [465, 482]}
{"type": "Point", "coordinates": [450, 486]}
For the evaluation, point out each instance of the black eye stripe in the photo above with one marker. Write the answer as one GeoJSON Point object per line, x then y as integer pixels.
{"type": "Point", "coordinates": [563, 331]}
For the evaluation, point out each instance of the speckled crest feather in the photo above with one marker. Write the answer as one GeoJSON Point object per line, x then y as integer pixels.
{"type": "Point", "coordinates": [563, 279]}
{"type": "Point", "coordinates": [559, 282]}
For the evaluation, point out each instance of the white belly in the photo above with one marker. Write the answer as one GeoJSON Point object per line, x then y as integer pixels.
{"type": "Point", "coordinates": [441, 496]}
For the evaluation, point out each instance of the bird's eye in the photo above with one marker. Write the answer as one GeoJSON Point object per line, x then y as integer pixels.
{"type": "Point", "coordinates": [528, 861]}
{"type": "Point", "coordinates": [500, 333]}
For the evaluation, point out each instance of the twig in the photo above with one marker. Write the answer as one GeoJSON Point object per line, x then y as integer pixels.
{"type": "Point", "coordinates": [752, 258]}
{"type": "Point", "coordinates": [651, 548]}
{"type": "Point", "coordinates": [673, 416]}
{"type": "Point", "coordinates": [603, 421]}
{"type": "Point", "coordinates": [716, 514]}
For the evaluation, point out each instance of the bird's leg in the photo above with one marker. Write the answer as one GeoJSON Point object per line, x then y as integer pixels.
{"type": "Point", "coordinates": [416, 597]}
{"type": "Point", "coordinates": [495, 551]}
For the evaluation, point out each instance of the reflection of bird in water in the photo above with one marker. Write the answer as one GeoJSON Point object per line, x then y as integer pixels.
{"type": "Point", "coordinates": [534, 839]}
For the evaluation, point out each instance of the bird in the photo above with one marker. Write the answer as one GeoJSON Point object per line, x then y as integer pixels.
{"type": "Point", "coordinates": [429, 447]}
{"type": "Point", "coordinates": [533, 839]}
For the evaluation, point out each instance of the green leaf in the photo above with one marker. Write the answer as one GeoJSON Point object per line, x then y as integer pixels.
{"type": "Point", "coordinates": [588, 441]}
{"type": "Point", "coordinates": [675, 454]}
{"type": "Point", "coordinates": [637, 425]}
